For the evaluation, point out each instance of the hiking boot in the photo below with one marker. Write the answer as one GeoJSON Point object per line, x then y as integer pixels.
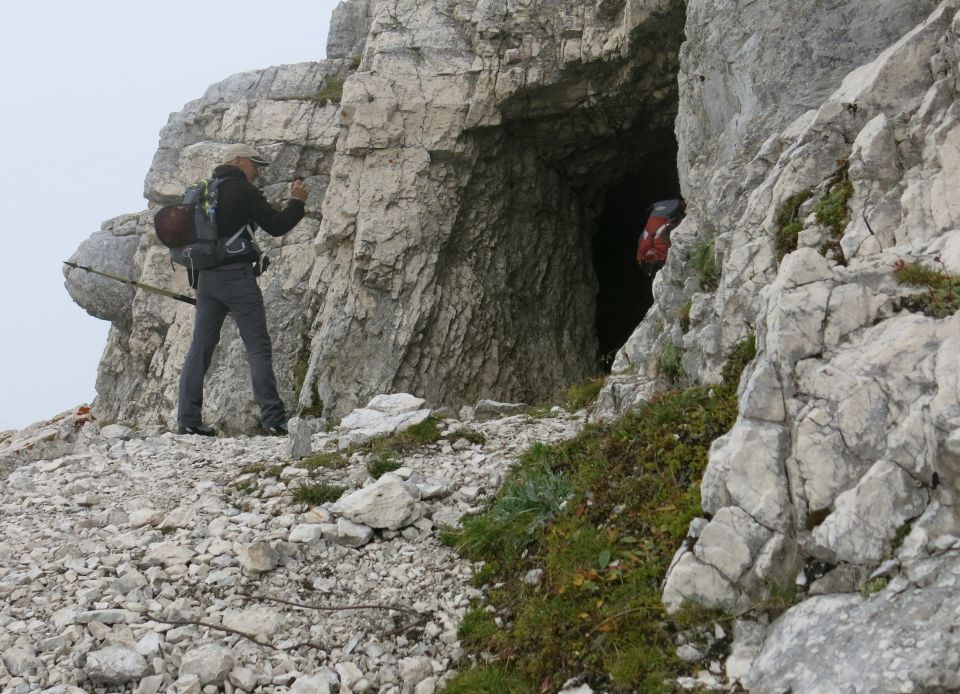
{"type": "Point", "coordinates": [279, 429]}
{"type": "Point", "coordinates": [198, 429]}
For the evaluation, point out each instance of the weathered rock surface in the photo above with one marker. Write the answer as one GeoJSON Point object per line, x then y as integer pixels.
{"type": "Point", "coordinates": [847, 413]}
{"type": "Point", "coordinates": [459, 179]}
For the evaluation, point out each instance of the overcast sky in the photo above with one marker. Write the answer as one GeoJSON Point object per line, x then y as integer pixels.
{"type": "Point", "coordinates": [87, 87]}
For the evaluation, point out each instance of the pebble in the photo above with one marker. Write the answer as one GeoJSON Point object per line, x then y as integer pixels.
{"type": "Point", "coordinates": [107, 548]}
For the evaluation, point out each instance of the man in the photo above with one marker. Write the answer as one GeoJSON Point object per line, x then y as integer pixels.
{"type": "Point", "coordinates": [232, 288]}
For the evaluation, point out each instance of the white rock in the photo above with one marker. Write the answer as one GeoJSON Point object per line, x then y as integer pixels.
{"type": "Point", "coordinates": [259, 622]}
{"type": "Point", "coordinates": [387, 503]}
{"type": "Point", "coordinates": [311, 684]}
{"type": "Point", "coordinates": [115, 665]}
{"type": "Point", "coordinates": [258, 557]}
{"type": "Point", "coordinates": [415, 669]}
{"type": "Point", "coordinates": [349, 674]}
{"type": "Point", "coordinates": [167, 554]}
{"type": "Point", "coordinates": [210, 663]}
{"type": "Point", "coordinates": [306, 532]}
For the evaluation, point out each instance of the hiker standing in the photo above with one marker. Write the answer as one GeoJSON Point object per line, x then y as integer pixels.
{"type": "Point", "coordinates": [232, 288]}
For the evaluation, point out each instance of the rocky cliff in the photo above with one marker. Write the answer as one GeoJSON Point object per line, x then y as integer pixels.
{"type": "Point", "coordinates": [464, 158]}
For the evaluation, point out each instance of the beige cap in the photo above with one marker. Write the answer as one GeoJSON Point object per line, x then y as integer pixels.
{"type": "Point", "coordinates": [246, 151]}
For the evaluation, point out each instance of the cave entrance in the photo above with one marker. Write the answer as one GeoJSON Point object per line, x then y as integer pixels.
{"type": "Point", "coordinates": [624, 290]}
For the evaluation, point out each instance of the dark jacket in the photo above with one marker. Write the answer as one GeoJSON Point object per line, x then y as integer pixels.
{"type": "Point", "coordinates": [240, 202]}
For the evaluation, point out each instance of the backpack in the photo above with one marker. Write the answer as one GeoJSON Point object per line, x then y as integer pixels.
{"type": "Point", "coordinates": [189, 229]}
{"type": "Point", "coordinates": [654, 242]}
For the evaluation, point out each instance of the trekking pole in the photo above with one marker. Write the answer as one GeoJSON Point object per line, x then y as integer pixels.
{"type": "Point", "coordinates": [126, 280]}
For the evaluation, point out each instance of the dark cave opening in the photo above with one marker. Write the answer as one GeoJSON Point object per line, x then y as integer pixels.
{"type": "Point", "coordinates": [624, 292]}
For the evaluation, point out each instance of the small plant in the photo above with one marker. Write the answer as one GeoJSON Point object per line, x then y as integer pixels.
{"type": "Point", "coordinates": [684, 316]}
{"type": "Point", "coordinates": [329, 461]}
{"type": "Point", "coordinates": [832, 213]}
{"type": "Point", "coordinates": [382, 464]}
{"type": "Point", "coordinates": [670, 362]}
{"type": "Point", "coordinates": [414, 437]}
{"type": "Point", "coordinates": [523, 507]}
{"type": "Point", "coordinates": [704, 262]}
{"type": "Point", "coordinates": [469, 435]}
{"type": "Point", "coordinates": [901, 535]}
{"type": "Point", "coordinates": [741, 355]}
{"type": "Point", "coordinates": [582, 395]}
{"type": "Point", "coordinates": [315, 493]}
{"type": "Point", "coordinates": [489, 679]}
{"type": "Point", "coordinates": [874, 586]}
{"type": "Point", "coordinates": [789, 224]}
{"type": "Point", "coordinates": [942, 297]}
{"type": "Point", "coordinates": [331, 91]}
{"type": "Point", "coordinates": [263, 470]}
{"type": "Point", "coordinates": [477, 625]}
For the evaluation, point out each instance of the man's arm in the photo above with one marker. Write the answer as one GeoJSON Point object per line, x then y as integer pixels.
{"type": "Point", "coordinates": [273, 221]}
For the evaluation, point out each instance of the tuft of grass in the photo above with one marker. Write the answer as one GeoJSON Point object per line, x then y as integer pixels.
{"type": "Point", "coordinates": [328, 461]}
{"type": "Point", "coordinates": [407, 441]}
{"type": "Point", "coordinates": [581, 395]}
{"type": "Point", "coordinates": [523, 507]}
{"type": "Point", "coordinates": [900, 535]}
{"type": "Point", "coordinates": [382, 464]}
{"type": "Point", "coordinates": [683, 315]}
{"type": "Point", "coordinates": [489, 679]}
{"type": "Point", "coordinates": [670, 362]}
{"type": "Point", "coordinates": [741, 355]}
{"type": "Point", "coordinates": [832, 212]}
{"type": "Point", "coordinates": [471, 435]}
{"type": "Point", "coordinates": [263, 470]}
{"type": "Point", "coordinates": [332, 90]}
{"type": "Point", "coordinates": [477, 626]}
{"type": "Point", "coordinates": [789, 224]}
{"type": "Point", "coordinates": [315, 493]}
{"type": "Point", "coordinates": [942, 297]}
{"type": "Point", "coordinates": [602, 514]}
{"type": "Point", "coordinates": [704, 262]}
{"type": "Point", "coordinates": [874, 586]}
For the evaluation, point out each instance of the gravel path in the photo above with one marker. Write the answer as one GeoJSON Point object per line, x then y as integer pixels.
{"type": "Point", "coordinates": [155, 564]}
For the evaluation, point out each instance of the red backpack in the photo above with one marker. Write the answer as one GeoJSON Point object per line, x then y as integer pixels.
{"type": "Point", "coordinates": [655, 239]}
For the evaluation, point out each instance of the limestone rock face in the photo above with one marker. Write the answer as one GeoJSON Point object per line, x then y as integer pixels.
{"type": "Point", "coordinates": [457, 156]}
{"type": "Point", "coordinates": [843, 454]}
{"type": "Point", "coordinates": [271, 109]}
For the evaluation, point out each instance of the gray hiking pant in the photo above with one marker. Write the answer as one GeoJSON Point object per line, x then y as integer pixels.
{"type": "Point", "coordinates": [229, 289]}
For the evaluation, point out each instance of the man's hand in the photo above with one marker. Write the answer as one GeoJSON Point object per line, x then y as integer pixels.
{"type": "Point", "coordinates": [299, 190]}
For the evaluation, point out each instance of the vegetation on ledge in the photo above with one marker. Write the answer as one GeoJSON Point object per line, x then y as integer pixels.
{"type": "Point", "coordinates": [942, 297]}
{"type": "Point", "coordinates": [592, 524]}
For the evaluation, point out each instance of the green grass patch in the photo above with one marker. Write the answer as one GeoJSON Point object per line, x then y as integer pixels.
{"type": "Point", "coordinates": [521, 510]}
{"type": "Point", "coordinates": [382, 464]}
{"type": "Point", "coordinates": [327, 461]}
{"type": "Point", "coordinates": [683, 315]}
{"type": "Point", "coordinates": [489, 679]}
{"type": "Point", "coordinates": [789, 224]}
{"type": "Point", "coordinates": [470, 435]}
{"type": "Point", "coordinates": [832, 212]}
{"type": "Point", "coordinates": [332, 90]}
{"type": "Point", "coordinates": [315, 493]}
{"type": "Point", "coordinates": [602, 514]}
{"type": "Point", "coordinates": [942, 295]}
{"type": "Point", "coordinates": [263, 470]}
{"type": "Point", "coordinates": [671, 364]}
{"type": "Point", "coordinates": [874, 586]}
{"type": "Point", "coordinates": [704, 262]}
{"type": "Point", "coordinates": [407, 441]}
{"type": "Point", "coordinates": [581, 395]}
